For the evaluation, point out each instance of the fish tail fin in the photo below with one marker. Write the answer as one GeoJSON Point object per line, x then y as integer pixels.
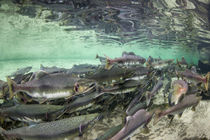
{"type": "Point", "coordinates": [148, 97]}
{"type": "Point", "coordinates": [12, 85]}
{"type": "Point", "coordinates": [158, 116]}
{"type": "Point", "coordinates": [177, 62]}
{"type": "Point", "coordinates": [97, 56]}
{"type": "Point", "coordinates": [207, 81]}
{"type": "Point", "coordinates": [108, 63]}
{"type": "Point", "coordinates": [2, 131]}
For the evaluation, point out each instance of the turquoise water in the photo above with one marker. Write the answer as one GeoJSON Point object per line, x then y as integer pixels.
{"type": "Point", "coordinates": [51, 34]}
{"type": "Point", "coordinates": [29, 41]}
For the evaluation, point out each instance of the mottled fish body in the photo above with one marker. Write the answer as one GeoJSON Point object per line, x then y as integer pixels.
{"type": "Point", "coordinates": [52, 130]}
{"type": "Point", "coordinates": [32, 112]}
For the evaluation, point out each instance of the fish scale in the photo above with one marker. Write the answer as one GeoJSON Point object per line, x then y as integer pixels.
{"type": "Point", "coordinates": [52, 129]}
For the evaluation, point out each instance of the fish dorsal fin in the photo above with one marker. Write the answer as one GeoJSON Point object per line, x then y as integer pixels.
{"type": "Point", "coordinates": [41, 74]}
{"type": "Point", "coordinates": [128, 119]}
{"type": "Point", "coordinates": [180, 98]}
{"type": "Point", "coordinates": [41, 67]}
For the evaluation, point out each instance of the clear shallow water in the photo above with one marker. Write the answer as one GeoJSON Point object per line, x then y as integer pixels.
{"type": "Point", "coordinates": [27, 41]}
{"type": "Point", "coordinates": [28, 38]}
{"type": "Point", "coordinates": [165, 29]}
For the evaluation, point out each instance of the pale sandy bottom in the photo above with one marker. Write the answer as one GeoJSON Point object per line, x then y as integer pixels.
{"type": "Point", "coordinates": [192, 125]}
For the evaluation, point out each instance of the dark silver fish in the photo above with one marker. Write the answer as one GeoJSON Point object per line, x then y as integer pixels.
{"type": "Point", "coordinates": [52, 130]}
{"type": "Point", "coordinates": [115, 73]}
{"type": "Point", "coordinates": [32, 112]}
{"type": "Point", "coordinates": [110, 133]}
{"type": "Point", "coordinates": [21, 71]}
{"type": "Point", "coordinates": [52, 69]}
{"type": "Point", "coordinates": [120, 88]}
{"type": "Point", "coordinates": [140, 118]}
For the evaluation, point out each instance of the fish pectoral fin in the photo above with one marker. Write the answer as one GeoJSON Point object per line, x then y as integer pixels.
{"type": "Point", "coordinates": [193, 108]}
{"type": "Point", "coordinates": [80, 130]}
{"type": "Point", "coordinates": [148, 98]}
{"type": "Point", "coordinates": [180, 115]}
{"type": "Point", "coordinates": [180, 98]}
{"type": "Point", "coordinates": [171, 117]}
{"type": "Point", "coordinates": [157, 116]}
{"type": "Point", "coordinates": [12, 85]}
{"type": "Point", "coordinates": [145, 129]}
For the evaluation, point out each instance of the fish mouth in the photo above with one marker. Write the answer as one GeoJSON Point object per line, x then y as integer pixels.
{"type": "Point", "coordinates": [80, 88]}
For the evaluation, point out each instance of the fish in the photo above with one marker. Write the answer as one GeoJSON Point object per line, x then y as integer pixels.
{"type": "Point", "coordinates": [116, 73]}
{"type": "Point", "coordinates": [160, 64]}
{"type": "Point", "coordinates": [183, 62]}
{"type": "Point", "coordinates": [136, 107]}
{"type": "Point", "coordinates": [127, 57]}
{"type": "Point", "coordinates": [180, 89]}
{"type": "Point", "coordinates": [52, 69]}
{"type": "Point", "coordinates": [188, 101]}
{"type": "Point", "coordinates": [196, 77]}
{"type": "Point", "coordinates": [49, 86]}
{"type": "Point", "coordinates": [2, 85]}
{"type": "Point", "coordinates": [140, 118]}
{"type": "Point", "coordinates": [120, 88]}
{"type": "Point", "coordinates": [21, 71]}
{"type": "Point", "coordinates": [52, 130]}
{"type": "Point", "coordinates": [32, 112]}
{"type": "Point", "coordinates": [155, 89]}
{"type": "Point", "coordinates": [102, 59]}
{"type": "Point", "coordinates": [83, 101]}
{"type": "Point", "coordinates": [139, 71]}
{"type": "Point", "coordinates": [82, 69]}
{"type": "Point", "coordinates": [110, 132]}
{"type": "Point", "coordinates": [151, 60]}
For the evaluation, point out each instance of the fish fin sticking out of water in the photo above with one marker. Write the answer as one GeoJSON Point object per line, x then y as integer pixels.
{"type": "Point", "coordinates": [12, 85]}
